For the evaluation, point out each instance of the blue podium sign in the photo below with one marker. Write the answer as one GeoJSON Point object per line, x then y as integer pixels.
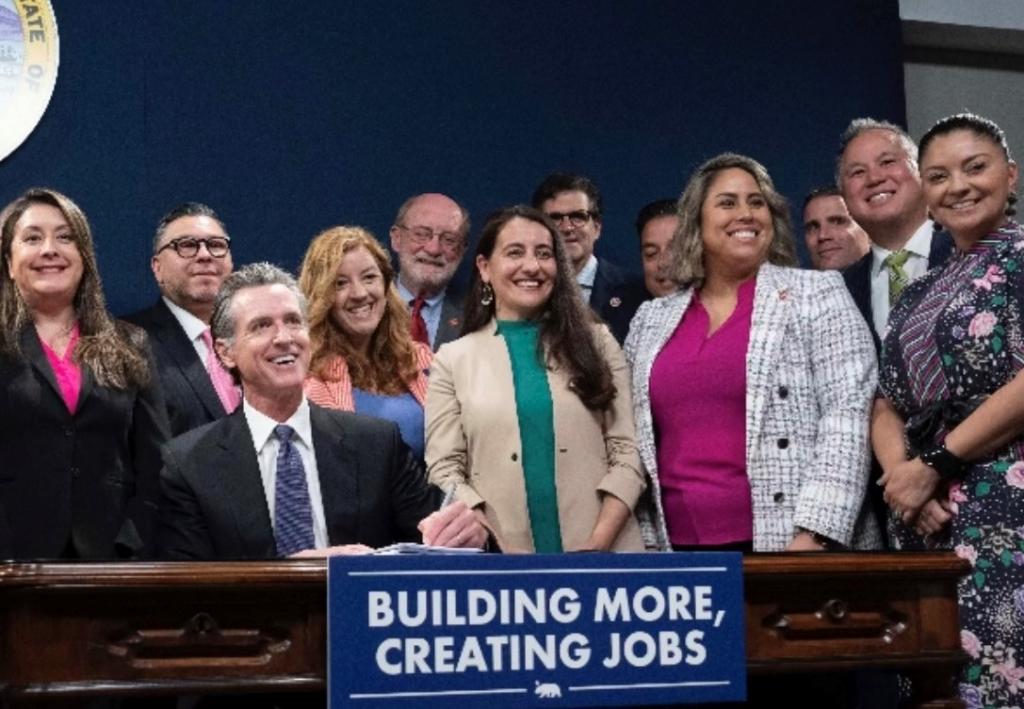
{"type": "Point", "coordinates": [565, 630]}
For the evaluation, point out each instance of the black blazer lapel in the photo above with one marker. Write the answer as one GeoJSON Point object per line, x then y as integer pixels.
{"type": "Point", "coordinates": [858, 282]}
{"type": "Point", "coordinates": [338, 469]}
{"type": "Point", "coordinates": [173, 340]}
{"type": "Point", "coordinates": [32, 350]}
{"type": "Point", "coordinates": [235, 473]}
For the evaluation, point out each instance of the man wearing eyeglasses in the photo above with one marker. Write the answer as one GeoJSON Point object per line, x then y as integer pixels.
{"type": "Point", "coordinates": [429, 235]}
{"type": "Point", "coordinates": [191, 258]}
{"type": "Point", "coordinates": [574, 203]}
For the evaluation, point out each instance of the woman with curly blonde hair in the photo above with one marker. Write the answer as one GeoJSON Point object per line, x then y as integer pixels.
{"type": "Point", "coordinates": [363, 358]}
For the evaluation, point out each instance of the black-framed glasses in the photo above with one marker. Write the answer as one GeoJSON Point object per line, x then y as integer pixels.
{"type": "Point", "coordinates": [577, 218]}
{"type": "Point", "coordinates": [188, 246]}
{"type": "Point", "coordinates": [422, 235]}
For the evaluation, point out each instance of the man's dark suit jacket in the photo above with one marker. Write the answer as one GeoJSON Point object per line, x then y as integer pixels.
{"type": "Point", "coordinates": [603, 298]}
{"type": "Point", "coordinates": [82, 484]}
{"type": "Point", "coordinates": [189, 393]}
{"type": "Point", "coordinates": [622, 306]}
{"type": "Point", "coordinates": [858, 279]}
{"type": "Point", "coordinates": [450, 325]}
{"type": "Point", "coordinates": [213, 505]}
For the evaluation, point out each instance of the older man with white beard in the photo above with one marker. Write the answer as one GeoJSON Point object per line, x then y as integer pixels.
{"type": "Point", "coordinates": [430, 235]}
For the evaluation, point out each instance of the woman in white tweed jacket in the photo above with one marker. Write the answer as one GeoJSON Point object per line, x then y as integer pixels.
{"type": "Point", "coordinates": [810, 375]}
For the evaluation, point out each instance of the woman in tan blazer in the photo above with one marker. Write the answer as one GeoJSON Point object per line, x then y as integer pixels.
{"type": "Point", "coordinates": [528, 415]}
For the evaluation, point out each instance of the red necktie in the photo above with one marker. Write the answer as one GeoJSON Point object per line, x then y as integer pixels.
{"type": "Point", "coordinates": [419, 325]}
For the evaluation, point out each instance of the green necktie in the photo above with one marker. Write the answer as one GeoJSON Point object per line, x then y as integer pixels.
{"type": "Point", "coordinates": [898, 278]}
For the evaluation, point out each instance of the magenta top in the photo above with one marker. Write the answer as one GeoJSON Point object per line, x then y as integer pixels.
{"type": "Point", "coordinates": [67, 373]}
{"type": "Point", "coordinates": [698, 400]}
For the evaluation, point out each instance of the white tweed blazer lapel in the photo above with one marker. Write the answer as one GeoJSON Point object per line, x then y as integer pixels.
{"type": "Point", "coordinates": [773, 306]}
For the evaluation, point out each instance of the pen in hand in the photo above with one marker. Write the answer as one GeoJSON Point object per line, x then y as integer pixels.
{"type": "Point", "coordinates": [449, 497]}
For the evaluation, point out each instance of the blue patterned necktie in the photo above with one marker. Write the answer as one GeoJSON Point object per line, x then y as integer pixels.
{"type": "Point", "coordinates": [293, 514]}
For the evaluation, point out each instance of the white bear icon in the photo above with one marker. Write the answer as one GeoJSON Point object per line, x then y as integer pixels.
{"type": "Point", "coordinates": [547, 690]}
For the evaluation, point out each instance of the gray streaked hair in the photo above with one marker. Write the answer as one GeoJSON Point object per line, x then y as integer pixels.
{"type": "Point", "coordinates": [403, 211]}
{"type": "Point", "coordinates": [859, 126]}
{"type": "Point", "coordinates": [222, 324]}
{"type": "Point", "coordinates": [186, 209]}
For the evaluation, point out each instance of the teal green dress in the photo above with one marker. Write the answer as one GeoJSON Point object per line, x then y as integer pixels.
{"type": "Point", "coordinates": [535, 414]}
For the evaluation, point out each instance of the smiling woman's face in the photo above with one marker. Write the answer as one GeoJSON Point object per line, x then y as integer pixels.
{"type": "Point", "coordinates": [735, 225]}
{"type": "Point", "coordinates": [45, 262]}
{"type": "Point", "coordinates": [967, 180]}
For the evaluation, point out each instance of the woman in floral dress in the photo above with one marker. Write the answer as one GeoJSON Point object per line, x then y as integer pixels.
{"type": "Point", "coordinates": [949, 432]}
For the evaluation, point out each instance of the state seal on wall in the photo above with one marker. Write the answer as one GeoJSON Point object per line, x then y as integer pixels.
{"type": "Point", "coordinates": [29, 56]}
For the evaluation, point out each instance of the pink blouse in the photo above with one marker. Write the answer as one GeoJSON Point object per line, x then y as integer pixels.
{"type": "Point", "coordinates": [698, 400]}
{"type": "Point", "coordinates": [66, 371]}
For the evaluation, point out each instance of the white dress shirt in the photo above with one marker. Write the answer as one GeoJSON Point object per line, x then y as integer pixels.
{"type": "Point", "coordinates": [192, 326]}
{"type": "Point", "coordinates": [266, 443]}
{"type": "Point", "coordinates": [919, 246]}
{"type": "Point", "coordinates": [585, 278]}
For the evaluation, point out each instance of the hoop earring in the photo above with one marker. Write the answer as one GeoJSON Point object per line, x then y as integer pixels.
{"type": "Point", "coordinates": [487, 296]}
{"type": "Point", "coordinates": [1011, 200]}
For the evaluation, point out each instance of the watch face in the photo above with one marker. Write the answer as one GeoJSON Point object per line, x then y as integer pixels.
{"type": "Point", "coordinates": [29, 55]}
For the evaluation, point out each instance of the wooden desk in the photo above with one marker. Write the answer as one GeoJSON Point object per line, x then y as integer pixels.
{"type": "Point", "coordinates": [79, 629]}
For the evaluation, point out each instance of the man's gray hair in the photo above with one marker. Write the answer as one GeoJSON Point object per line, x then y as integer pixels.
{"type": "Point", "coordinates": [222, 324]}
{"type": "Point", "coordinates": [186, 209]}
{"type": "Point", "coordinates": [407, 205]}
{"type": "Point", "coordinates": [859, 126]}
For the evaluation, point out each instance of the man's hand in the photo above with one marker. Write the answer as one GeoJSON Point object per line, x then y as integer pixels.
{"type": "Point", "coordinates": [908, 486]}
{"type": "Point", "coordinates": [454, 526]}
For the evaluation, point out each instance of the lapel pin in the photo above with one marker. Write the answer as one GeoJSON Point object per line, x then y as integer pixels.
{"type": "Point", "coordinates": [615, 302]}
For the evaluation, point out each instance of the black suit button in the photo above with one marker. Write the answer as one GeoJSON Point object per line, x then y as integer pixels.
{"type": "Point", "coordinates": [68, 432]}
{"type": "Point", "coordinates": [515, 457]}
{"type": "Point", "coordinates": [75, 472]}
{"type": "Point", "coordinates": [779, 496]}
{"type": "Point", "coordinates": [783, 443]}
{"type": "Point", "coordinates": [783, 392]}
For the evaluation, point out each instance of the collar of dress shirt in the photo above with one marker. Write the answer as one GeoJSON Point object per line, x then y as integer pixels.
{"type": "Point", "coordinates": [586, 276]}
{"type": "Point", "coordinates": [919, 245]}
{"type": "Point", "coordinates": [409, 296]}
{"type": "Point", "coordinates": [192, 325]}
{"type": "Point", "coordinates": [262, 426]}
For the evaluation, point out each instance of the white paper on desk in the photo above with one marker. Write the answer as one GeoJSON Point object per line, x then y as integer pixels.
{"type": "Point", "coordinates": [411, 548]}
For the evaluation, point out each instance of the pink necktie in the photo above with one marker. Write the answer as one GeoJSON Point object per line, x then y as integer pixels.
{"type": "Point", "coordinates": [220, 377]}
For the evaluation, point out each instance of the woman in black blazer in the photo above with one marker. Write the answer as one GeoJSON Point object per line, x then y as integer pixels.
{"type": "Point", "coordinates": [81, 418]}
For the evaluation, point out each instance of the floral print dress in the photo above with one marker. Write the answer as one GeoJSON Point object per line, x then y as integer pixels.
{"type": "Point", "coordinates": [954, 338]}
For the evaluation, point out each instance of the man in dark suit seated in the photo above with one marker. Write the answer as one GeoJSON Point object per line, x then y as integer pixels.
{"type": "Point", "coordinates": [281, 476]}
{"type": "Point", "coordinates": [191, 258]}
{"type": "Point", "coordinates": [574, 204]}
{"type": "Point", "coordinates": [429, 237]}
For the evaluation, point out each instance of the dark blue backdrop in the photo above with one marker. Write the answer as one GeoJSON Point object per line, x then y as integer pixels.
{"type": "Point", "coordinates": [290, 117]}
